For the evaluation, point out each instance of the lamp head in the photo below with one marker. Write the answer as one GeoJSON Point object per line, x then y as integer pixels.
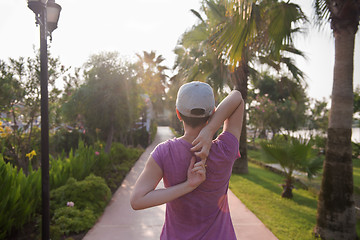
{"type": "Point", "coordinates": [53, 13]}
{"type": "Point", "coordinates": [37, 5]}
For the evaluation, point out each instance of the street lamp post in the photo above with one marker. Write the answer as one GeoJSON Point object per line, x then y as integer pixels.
{"type": "Point", "coordinates": [47, 14]}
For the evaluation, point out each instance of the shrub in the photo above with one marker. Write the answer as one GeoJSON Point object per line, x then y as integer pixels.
{"type": "Point", "coordinates": [64, 140]}
{"type": "Point", "coordinates": [20, 195]}
{"type": "Point", "coordinates": [120, 160]}
{"type": "Point", "coordinates": [141, 137]}
{"type": "Point", "coordinates": [119, 153]}
{"type": "Point", "coordinates": [355, 149]}
{"type": "Point", "coordinates": [153, 130]}
{"type": "Point", "coordinates": [89, 198]}
{"type": "Point", "coordinates": [319, 142]}
{"type": "Point", "coordinates": [78, 165]}
{"type": "Point", "coordinates": [91, 193]}
{"type": "Point", "coordinates": [73, 220]}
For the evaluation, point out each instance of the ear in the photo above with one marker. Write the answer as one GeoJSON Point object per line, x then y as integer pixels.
{"type": "Point", "coordinates": [212, 114]}
{"type": "Point", "coordinates": [178, 114]}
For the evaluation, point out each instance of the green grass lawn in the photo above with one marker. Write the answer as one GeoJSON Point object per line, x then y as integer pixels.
{"type": "Point", "coordinates": [287, 219]}
{"type": "Point", "coordinates": [260, 191]}
{"type": "Point", "coordinates": [316, 181]}
{"type": "Point", "coordinates": [356, 167]}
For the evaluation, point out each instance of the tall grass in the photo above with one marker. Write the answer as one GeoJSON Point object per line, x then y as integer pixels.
{"type": "Point", "coordinates": [20, 197]}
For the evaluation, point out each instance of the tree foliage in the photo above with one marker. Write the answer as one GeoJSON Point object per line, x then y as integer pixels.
{"type": "Point", "coordinates": [108, 100]}
{"type": "Point", "coordinates": [235, 36]}
{"type": "Point", "coordinates": [357, 100]}
{"type": "Point", "coordinates": [152, 78]}
{"type": "Point", "coordinates": [279, 104]}
{"type": "Point", "coordinates": [319, 115]}
{"type": "Point", "coordinates": [20, 105]}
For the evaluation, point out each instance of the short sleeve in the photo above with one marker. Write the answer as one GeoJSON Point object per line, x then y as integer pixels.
{"type": "Point", "coordinates": [157, 154]}
{"type": "Point", "coordinates": [229, 144]}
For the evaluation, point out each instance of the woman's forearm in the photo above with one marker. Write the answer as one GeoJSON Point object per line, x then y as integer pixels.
{"type": "Point", "coordinates": [160, 196]}
{"type": "Point", "coordinates": [224, 111]}
{"type": "Point", "coordinates": [146, 195]}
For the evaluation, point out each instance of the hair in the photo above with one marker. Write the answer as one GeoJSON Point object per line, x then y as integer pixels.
{"type": "Point", "coordinates": [194, 122]}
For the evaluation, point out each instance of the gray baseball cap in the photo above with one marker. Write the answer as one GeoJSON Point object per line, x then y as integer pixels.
{"type": "Point", "coordinates": [195, 99]}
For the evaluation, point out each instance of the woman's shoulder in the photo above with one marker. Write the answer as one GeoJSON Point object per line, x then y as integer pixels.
{"type": "Point", "coordinates": [227, 144]}
{"type": "Point", "coordinates": [227, 137]}
{"type": "Point", "coordinates": [166, 145]}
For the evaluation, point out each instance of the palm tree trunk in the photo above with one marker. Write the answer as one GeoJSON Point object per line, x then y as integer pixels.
{"type": "Point", "coordinates": [336, 210]}
{"type": "Point", "coordinates": [241, 77]}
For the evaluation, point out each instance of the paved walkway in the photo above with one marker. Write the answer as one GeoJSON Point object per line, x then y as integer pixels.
{"type": "Point", "coordinates": [120, 222]}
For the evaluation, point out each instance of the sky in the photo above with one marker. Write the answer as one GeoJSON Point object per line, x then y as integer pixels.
{"type": "Point", "coordinates": [89, 27]}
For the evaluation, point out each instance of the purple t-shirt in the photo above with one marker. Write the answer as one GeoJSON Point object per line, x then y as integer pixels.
{"type": "Point", "coordinates": [204, 212]}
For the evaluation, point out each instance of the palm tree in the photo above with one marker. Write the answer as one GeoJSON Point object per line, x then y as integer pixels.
{"type": "Point", "coordinates": [292, 154]}
{"type": "Point", "coordinates": [202, 51]}
{"type": "Point", "coordinates": [152, 77]}
{"type": "Point", "coordinates": [251, 31]}
{"type": "Point", "coordinates": [336, 210]}
{"type": "Point", "coordinates": [197, 60]}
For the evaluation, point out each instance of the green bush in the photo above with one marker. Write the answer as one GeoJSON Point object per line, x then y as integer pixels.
{"type": "Point", "coordinates": [90, 196]}
{"type": "Point", "coordinates": [120, 160]}
{"type": "Point", "coordinates": [91, 193]}
{"type": "Point", "coordinates": [153, 130]}
{"type": "Point", "coordinates": [73, 220]}
{"type": "Point", "coordinates": [141, 137]}
{"type": "Point", "coordinates": [355, 150]}
{"type": "Point", "coordinates": [20, 197]}
{"type": "Point", "coordinates": [319, 142]}
{"type": "Point", "coordinates": [78, 165]}
{"type": "Point", "coordinates": [119, 153]}
{"type": "Point", "coordinates": [87, 160]}
{"type": "Point", "coordinates": [64, 140]}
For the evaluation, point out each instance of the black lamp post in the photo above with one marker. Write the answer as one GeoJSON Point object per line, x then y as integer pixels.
{"type": "Point", "coordinates": [47, 14]}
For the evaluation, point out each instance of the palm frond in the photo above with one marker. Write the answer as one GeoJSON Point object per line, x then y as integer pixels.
{"type": "Point", "coordinates": [293, 50]}
{"type": "Point", "coordinates": [270, 62]}
{"type": "Point", "coordinates": [281, 18]}
{"type": "Point", "coordinates": [322, 12]}
{"type": "Point", "coordinates": [295, 71]}
{"type": "Point", "coordinates": [197, 14]}
{"type": "Point", "coordinates": [195, 37]}
{"type": "Point", "coordinates": [292, 154]}
{"type": "Point", "coordinates": [216, 12]}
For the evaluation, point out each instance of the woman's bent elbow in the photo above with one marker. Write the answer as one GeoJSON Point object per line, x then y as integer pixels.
{"type": "Point", "coordinates": [135, 207]}
{"type": "Point", "coordinates": [134, 204]}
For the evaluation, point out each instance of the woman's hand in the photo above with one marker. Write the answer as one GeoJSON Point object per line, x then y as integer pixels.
{"type": "Point", "coordinates": [196, 173]}
{"type": "Point", "coordinates": [202, 144]}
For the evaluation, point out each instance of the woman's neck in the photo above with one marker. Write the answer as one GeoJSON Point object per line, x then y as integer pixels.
{"type": "Point", "coordinates": [190, 133]}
